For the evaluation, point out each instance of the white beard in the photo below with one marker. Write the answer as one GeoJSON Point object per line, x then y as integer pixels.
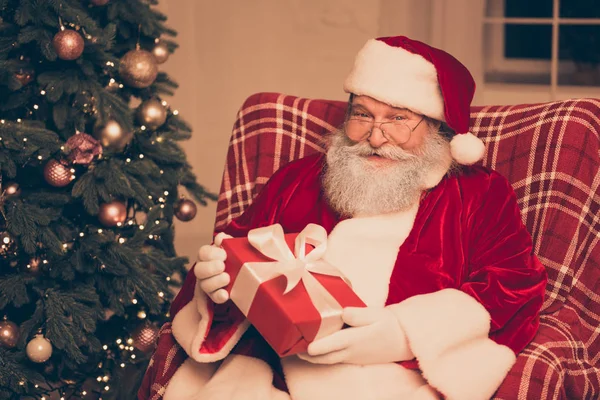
{"type": "Point", "coordinates": [355, 186]}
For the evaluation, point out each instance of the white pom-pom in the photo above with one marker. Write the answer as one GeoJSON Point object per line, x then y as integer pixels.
{"type": "Point", "coordinates": [466, 148]}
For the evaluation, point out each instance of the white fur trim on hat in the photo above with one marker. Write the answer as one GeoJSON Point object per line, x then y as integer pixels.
{"type": "Point", "coordinates": [397, 77]}
{"type": "Point", "coordinates": [466, 148]}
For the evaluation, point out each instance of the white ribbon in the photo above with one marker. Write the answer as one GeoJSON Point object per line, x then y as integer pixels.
{"type": "Point", "coordinates": [296, 267]}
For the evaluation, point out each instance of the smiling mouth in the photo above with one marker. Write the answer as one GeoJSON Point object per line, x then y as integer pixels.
{"type": "Point", "coordinates": [378, 158]}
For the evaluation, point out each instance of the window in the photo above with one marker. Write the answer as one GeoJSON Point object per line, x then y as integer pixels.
{"type": "Point", "coordinates": [553, 44]}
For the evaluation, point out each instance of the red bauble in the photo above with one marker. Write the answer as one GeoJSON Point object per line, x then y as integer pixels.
{"type": "Point", "coordinates": [68, 44]}
{"type": "Point", "coordinates": [185, 210]}
{"type": "Point", "coordinates": [9, 334]}
{"type": "Point", "coordinates": [144, 337]}
{"type": "Point", "coordinates": [57, 174]}
{"type": "Point", "coordinates": [25, 77]}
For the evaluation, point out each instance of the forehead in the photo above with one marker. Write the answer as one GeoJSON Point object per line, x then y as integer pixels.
{"type": "Point", "coordinates": [375, 105]}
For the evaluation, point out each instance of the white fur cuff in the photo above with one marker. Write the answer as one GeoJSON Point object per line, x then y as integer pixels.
{"type": "Point", "coordinates": [437, 321]}
{"type": "Point", "coordinates": [473, 371]}
{"type": "Point", "coordinates": [191, 328]}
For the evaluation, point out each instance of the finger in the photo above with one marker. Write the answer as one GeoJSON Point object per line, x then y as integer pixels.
{"type": "Point", "coordinates": [219, 296]}
{"type": "Point", "coordinates": [214, 283]}
{"type": "Point", "coordinates": [331, 358]}
{"type": "Point", "coordinates": [334, 342]}
{"type": "Point", "coordinates": [360, 316]}
{"type": "Point", "coordinates": [219, 238]}
{"type": "Point", "coordinates": [208, 269]}
{"type": "Point", "coordinates": [209, 253]}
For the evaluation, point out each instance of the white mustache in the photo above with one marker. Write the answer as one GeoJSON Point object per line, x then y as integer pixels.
{"type": "Point", "coordinates": [364, 149]}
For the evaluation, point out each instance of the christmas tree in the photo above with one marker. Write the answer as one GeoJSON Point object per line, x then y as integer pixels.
{"type": "Point", "coordinates": [91, 175]}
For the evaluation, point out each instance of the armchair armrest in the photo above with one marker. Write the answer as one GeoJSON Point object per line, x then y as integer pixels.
{"type": "Point", "coordinates": [555, 365]}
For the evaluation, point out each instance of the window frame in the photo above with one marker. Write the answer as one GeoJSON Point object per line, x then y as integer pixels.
{"type": "Point", "coordinates": [494, 52]}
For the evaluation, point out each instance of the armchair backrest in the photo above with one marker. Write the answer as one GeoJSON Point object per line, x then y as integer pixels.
{"type": "Point", "coordinates": [549, 152]}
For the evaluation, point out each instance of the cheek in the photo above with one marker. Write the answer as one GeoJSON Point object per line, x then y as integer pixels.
{"type": "Point", "coordinates": [416, 139]}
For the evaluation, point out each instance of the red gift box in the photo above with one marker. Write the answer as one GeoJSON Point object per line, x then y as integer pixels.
{"type": "Point", "coordinates": [312, 308]}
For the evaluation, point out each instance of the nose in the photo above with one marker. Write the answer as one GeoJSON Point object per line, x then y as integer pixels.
{"type": "Point", "coordinates": [377, 138]}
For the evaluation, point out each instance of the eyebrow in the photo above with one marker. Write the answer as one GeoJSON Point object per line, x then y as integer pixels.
{"type": "Point", "coordinates": [353, 106]}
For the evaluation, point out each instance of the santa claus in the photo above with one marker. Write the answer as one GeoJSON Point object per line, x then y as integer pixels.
{"type": "Point", "coordinates": [433, 246]}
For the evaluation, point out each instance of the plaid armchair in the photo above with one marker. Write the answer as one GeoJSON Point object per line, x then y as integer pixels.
{"type": "Point", "coordinates": [549, 152]}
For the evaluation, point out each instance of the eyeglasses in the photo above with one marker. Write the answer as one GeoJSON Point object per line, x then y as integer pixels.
{"type": "Point", "coordinates": [397, 132]}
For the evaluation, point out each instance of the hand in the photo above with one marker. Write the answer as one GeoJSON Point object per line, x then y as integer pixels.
{"type": "Point", "coordinates": [210, 270]}
{"type": "Point", "coordinates": [374, 337]}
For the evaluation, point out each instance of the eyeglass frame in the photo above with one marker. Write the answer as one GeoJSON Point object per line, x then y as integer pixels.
{"type": "Point", "coordinates": [381, 123]}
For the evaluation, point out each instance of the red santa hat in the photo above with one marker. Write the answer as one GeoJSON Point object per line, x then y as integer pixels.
{"type": "Point", "coordinates": [407, 73]}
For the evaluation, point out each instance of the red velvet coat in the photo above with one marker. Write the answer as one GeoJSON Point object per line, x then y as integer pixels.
{"type": "Point", "coordinates": [467, 235]}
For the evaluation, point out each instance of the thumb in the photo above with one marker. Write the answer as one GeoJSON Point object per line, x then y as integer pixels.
{"type": "Point", "coordinates": [360, 316]}
{"type": "Point", "coordinates": [219, 238]}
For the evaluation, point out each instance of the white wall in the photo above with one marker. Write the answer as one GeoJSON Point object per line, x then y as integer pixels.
{"type": "Point", "coordinates": [232, 49]}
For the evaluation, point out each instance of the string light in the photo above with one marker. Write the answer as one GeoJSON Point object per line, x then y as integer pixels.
{"type": "Point", "coordinates": [141, 227]}
{"type": "Point", "coordinates": [130, 341]}
{"type": "Point", "coordinates": [100, 231]}
{"type": "Point", "coordinates": [141, 156]}
{"type": "Point", "coordinates": [134, 301]}
{"type": "Point", "coordinates": [130, 222]}
{"type": "Point", "coordinates": [105, 347]}
{"type": "Point", "coordinates": [43, 92]}
{"type": "Point", "coordinates": [128, 160]}
{"type": "Point", "coordinates": [168, 278]}
{"type": "Point", "coordinates": [133, 356]}
{"type": "Point", "coordinates": [84, 393]}
{"type": "Point", "coordinates": [150, 236]}
{"type": "Point", "coordinates": [81, 234]}
{"type": "Point", "coordinates": [121, 240]}
{"type": "Point", "coordinates": [175, 112]}
{"type": "Point", "coordinates": [143, 127]}
{"type": "Point", "coordinates": [39, 157]}
{"type": "Point", "coordinates": [119, 341]}
{"type": "Point", "coordinates": [122, 365]}
{"type": "Point", "coordinates": [161, 294]}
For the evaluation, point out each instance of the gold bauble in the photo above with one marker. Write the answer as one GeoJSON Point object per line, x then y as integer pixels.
{"type": "Point", "coordinates": [112, 136]}
{"type": "Point", "coordinates": [138, 68]}
{"type": "Point", "coordinates": [68, 44]}
{"type": "Point", "coordinates": [185, 210]}
{"type": "Point", "coordinates": [39, 349]}
{"type": "Point", "coordinates": [112, 214]}
{"type": "Point", "coordinates": [9, 334]}
{"type": "Point", "coordinates": [57, 174]}
{"type": "Point", "coordinates": [152, 114]}
{"type": "Point", "coordinates": [160, 52]}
